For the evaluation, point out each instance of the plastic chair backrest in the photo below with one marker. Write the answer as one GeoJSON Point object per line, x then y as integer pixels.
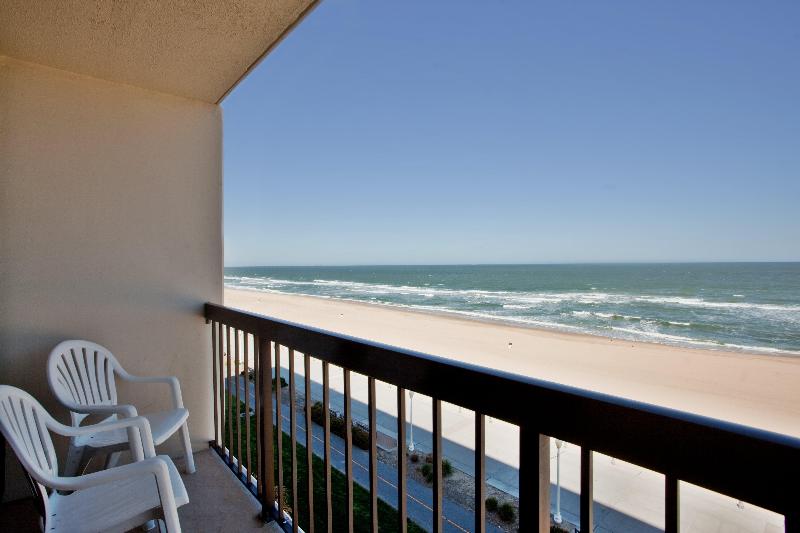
{"type": "Point", "coordinates": [82, 373]}
{"type": "Point", "coordinates": [23, 421]}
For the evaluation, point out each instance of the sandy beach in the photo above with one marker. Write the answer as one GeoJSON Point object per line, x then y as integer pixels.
{"type": "Point", "coordinates": [757, 390]}
{"type": "Point", "coordinates": [751, 389]}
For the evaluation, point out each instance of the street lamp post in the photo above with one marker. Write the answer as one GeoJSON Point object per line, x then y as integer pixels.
{"type": "Point", "coordinates": [411, 421]}
{"type": "Point", "coordinates": [557, 517]}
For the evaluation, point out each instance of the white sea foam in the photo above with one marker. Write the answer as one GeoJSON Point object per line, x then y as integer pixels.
{"type": "Point", "coordinates": [555, 310]}
{"type": "Point", "coordinates": [677, 323]}
{"type": "Point", "coordinates": [699, 302]}
{"type": "Point", "coordinates": [517, 296]}
{"type": "Point", "coordinates": [487, 316]}
{"type": "Point", "coordinates": [612, 316]}
{"type": "Point", "coordinates": [765, 349]}
{"type": "Point", "coordinates": [514, 297]}
{"type": "Point", "coordinates": [524, 300]}
{"type": "Point", "coordinates": [681, 340]}
{"type": "Point", "coordinates": [666, 336]}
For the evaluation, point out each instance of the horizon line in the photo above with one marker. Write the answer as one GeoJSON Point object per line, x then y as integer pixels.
{"type": "Point", "coordinates": [554, 263]}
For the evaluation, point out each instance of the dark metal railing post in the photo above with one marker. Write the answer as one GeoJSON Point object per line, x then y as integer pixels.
{"type": "Point", "coordinates": [248, 463]}
{"type": "Point", "coordinates": [309, 444]}
{"type": "Point", "coordinates": [672, 507]}
{"type": "Point", "coordinates": [259, 442]}
{"type": "Point", "coordinates": [401, 461]}
{"type": "Point", "coordinates": [373, 455]}
{"type": "Point", "coordinates": [238, 386]}
{"type": "Point", "coordinates": [214, 379]}
{"type": "Point", "coordinates": [587, 489]}
{"type": "Point", "coordinates": [220, 434]}
{"type": "Point", "coordinates": [267, 463]}
{"type": "Point", "coordinates": [480, 473]}
{"type": "Point", "coordinates": [792, 522]}
{"type": "Point", "coordinates": [326, 445]}
{"type": "Point", "coordinates": [293, 436]}
{"type": "Point", "coordinates": [228, 393]}
{"type": "Point", "coordinates": [436, 435]}
{"type": "Point", "coordinates": [534, 481]}
{"type": "Point", "coordinates": [348, 452]}
{"type": "Point", "coordinates": [278, 429]}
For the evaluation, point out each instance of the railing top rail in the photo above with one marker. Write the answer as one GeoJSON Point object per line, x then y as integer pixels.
{"type": "Point", "coordinates": [753, 465]}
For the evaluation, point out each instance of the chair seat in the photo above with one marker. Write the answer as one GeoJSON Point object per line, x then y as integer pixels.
{"type": "Point", "coordinates": [118, 506]}
{"type": "Point", "coordinates": [162, 424]}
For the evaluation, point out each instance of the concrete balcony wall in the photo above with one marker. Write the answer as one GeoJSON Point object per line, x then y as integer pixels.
{"type": "Point", "coordinates": [110, 230]}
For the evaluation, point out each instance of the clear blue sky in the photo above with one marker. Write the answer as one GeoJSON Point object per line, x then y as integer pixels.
{"type": "Point", "coordinates": [506, 132]}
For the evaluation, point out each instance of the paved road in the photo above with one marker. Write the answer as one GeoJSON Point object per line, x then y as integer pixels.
{"type": "Point", "coordinates": [607, 519]}
{"type": "Point", "coordinates": [499, 474]}
{"type": "Point", "coordinates": [456, 518]}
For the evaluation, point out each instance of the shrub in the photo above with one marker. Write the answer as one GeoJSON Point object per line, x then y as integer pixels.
{"type": "Point", "coordinates": [338, 426]}
{"type": "Point", "coordinates": [360, 437]}
{"type": "Point", "coordinates": [491, 504]}
{"type": "Point", "coordinates": [506, 512]}
{"type": "Point", "coordinates": [251, 375]}
{"type": "Point", "coordinates": [447, 468]}
{"type": "Point", "coordinates": [427, 472]}
{"type": "Point", "coordinates": [414, 457]}
{"type": "Point", "coordinates": [318, 413]}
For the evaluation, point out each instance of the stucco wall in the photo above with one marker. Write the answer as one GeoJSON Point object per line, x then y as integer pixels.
{"type": "Point", "coordinates": [110, 230]}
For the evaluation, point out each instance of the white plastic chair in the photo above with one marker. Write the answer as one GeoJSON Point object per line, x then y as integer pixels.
{"type": "Point", "coordinates": [82, 375]}
{"type": "Point", "coordinates": [117, 499]}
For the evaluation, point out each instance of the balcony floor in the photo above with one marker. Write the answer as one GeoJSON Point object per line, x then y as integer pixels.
{"type": "Point", "coordinates": [217, 503]}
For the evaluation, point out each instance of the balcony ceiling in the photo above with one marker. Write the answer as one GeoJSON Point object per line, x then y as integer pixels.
{"type": "Point", "coordinates": [192, 48]}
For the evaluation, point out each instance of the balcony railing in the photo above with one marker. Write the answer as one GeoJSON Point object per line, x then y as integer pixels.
{"type": "Point", "coordinates": [747, 464]}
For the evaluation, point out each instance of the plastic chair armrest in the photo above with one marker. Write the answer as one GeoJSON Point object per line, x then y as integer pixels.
{"type": "Point", "coordinates": [140, 436]}
{"type": "Point", "coordinates": [122, 410]}
{"type": "Point", "coordinates": [172, 381]}
{"type": "Point", "coordinates": [152, 465]}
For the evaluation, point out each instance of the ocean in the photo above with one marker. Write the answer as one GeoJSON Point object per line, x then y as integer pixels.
{"type": "Point", "coordinates": [752, 307]}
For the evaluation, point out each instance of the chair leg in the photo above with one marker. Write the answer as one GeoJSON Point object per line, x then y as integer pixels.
{"type": "Point", "coordinates": [112, 459]}
{"type": "Point", "coordinates": [77, 459]}
{"type": "Point", "coordinates": [187, 446]}
{"type": "Point", "coordinates": [153, 526]}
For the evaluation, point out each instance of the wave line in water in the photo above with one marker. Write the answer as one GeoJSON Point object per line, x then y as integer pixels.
{"type": "Point", "coordinates": [685, 305]}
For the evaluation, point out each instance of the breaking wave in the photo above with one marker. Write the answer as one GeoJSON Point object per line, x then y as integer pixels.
{"type": "Point", "coordinates": [734, 322]}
